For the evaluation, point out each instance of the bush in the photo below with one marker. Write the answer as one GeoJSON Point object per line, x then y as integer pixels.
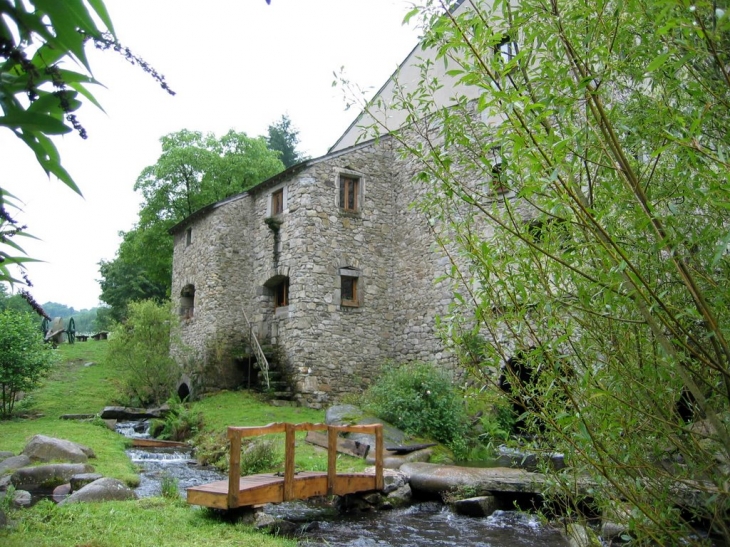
{"type": "Point", "coordinates": [420, 400]}
{"type": "Point", "coordinates": [24, 359]}
{"type": "Point", "coordinates": [141, 347]}
{"type": "Point", "coordinates": [258, 456]}
{"type": "Point", "coordinates": [180, 424]}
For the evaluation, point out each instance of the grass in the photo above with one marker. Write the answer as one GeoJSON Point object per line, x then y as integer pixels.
{"type": "Point", "coordinates": [74, 388]}
{"type": "Point", "coordinates": [152, 522]}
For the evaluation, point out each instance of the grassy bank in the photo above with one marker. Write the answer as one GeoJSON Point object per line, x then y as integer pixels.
{"type": "Point", "coordinates": [78, 387]}
{"type": "Point", "coordinates": [151, 522]}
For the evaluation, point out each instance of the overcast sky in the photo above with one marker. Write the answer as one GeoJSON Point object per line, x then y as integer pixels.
{"type": "Point", "coordinates": [235, 64]}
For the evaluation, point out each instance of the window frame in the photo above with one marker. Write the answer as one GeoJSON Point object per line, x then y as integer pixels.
{"type": "Point", "coordinates": [346, 180]}
{"type": "Point", "coordinates": [188, 237]}
{"type": "Point", "coordinates": [353, 302]}
{"type": "Point", "coordinates": [277, 202]}
{"type": "Point", "coordinates": [187, 302]}
{"type": "Point", "coordinates": [281, 294]}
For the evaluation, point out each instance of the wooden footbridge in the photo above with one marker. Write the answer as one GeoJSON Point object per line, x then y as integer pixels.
{"type": "Point", "coordinates": [253, 490]}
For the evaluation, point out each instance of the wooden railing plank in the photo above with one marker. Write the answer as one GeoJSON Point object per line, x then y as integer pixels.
{"type": "Point", "coordinates": [289, 462]}
{"type": "Point", "coordinates": [331, 459]}
{"type": "Point", "coordinates": [234, 468]}
{"type": "Point", "coordinates": [255, 431]}
{"type": "Point", "coordinates": [379, 485]}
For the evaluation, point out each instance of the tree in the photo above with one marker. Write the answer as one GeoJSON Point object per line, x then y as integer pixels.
{"type": "Point", "coordinates": [194, 170]}
{"type": "Point", "coordinates": [123, 282]}
{"type": "Point", "coordinates": [39, 95]}
{"type": "Point", "coordinates": [284, 139]}
{"type": "Point", "coordinates": [141, 348]}
{"type": "Point", "coordinates": [588, 231]}
{"type": "Point", "coordinates": [24, 358]}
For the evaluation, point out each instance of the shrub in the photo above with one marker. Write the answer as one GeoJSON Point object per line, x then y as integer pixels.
{"type": "Point", "coordinates": [260, 455]}
{"type": "Point", "coordinates": [141, 347]}
{"type": "Point", "coordinates": [421, 400]}
{"type": "Point", "coordinates": [24, 359]}
{"type": "Point", "coordinates": [180, 424]}
{"type": "Point", "coordinates": [211, 448]}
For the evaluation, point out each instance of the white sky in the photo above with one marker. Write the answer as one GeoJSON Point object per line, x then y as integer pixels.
{"type": "Point", "coordinates": [235, 64]}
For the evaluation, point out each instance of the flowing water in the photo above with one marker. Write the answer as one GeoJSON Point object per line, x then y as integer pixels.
{"type": "Point", "coordinates": [428, 524]}
{"type": "Point", "coordinates": [431, 524]}
{"type": "Point", "coordinates": [157, 463]}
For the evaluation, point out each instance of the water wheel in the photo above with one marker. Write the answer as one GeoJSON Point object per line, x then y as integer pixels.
{"type": "Point", "coordinates": [71, 331]}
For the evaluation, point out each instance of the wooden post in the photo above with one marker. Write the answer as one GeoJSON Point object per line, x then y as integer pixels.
{"type": "Point", "coordinates": [331, 459]}
{"type": "Point", "coordinates": [379, 484]}
{"type": "Point", "coordinates": [289, 462]}
{"type": "Point", "coordinates": [234, 468]}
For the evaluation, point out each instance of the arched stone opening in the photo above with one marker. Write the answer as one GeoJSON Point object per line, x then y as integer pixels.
{"type": "Point", "coordinates": [183, 391]}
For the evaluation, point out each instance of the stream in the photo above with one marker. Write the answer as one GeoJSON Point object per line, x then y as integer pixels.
{"type": "Point", "coordinates": [426, 524]}
{"type": "Point", "coordinates": [157, 463]}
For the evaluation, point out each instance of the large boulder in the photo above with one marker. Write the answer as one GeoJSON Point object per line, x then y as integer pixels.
{"type": "Point", "coordinates": [47, 449]}
{"type": "Point", "coordinates": [352, 415]}
{"type": "Point", "coordinates": [106, 489]}
{"type": "Point", "coordinates": [47, 477]}
{"type": "Point", "coordinates": [428, 477]}
{"type": "Point", "coordinates": [480, 506]}
{"type": "Point", "coordinates": [4, 455]}
{"type": "Point", "coordinates": [13, 463]}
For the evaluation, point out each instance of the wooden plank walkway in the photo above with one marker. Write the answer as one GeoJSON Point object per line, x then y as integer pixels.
{"type": "Point", "coordinates": [264, 488]}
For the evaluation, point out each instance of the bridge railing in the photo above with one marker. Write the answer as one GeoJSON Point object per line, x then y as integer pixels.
{"type": "Point", "coordinates": [236, 434]}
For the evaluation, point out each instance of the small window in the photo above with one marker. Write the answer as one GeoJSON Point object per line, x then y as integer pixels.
{"type": "Point", "coordinates": [277, 202]}
{"type": "Point", "coordinates": [188, 236]}
{"type": "Point", "coordinates": [281, 294]}
{"type": "Point", "coordinates": [507, 49]}
{"type": "Point", "coordinates": [349, 193]}
{"type": "Point", "coordinates": [187, 302]}
{"type": "Point", "coordinates": [348, 291]}
{"type": "Point", "coordinates": [498, 185]}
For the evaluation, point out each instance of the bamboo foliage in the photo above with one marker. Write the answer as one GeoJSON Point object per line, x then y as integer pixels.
{"type": "Point", "coordinates": [604, 264]}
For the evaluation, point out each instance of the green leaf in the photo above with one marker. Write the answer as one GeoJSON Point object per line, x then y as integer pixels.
{"type": "Point", "coordinates": [658, 62]}
{"type": "Point", "coordinates": [721, 249]}
{"type": "Point", "coordinates": [31, 121]}
{"type": "Point", "coordinates": [101, 11]}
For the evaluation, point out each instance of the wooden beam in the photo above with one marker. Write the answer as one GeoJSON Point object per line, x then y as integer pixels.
{"type": "Point", "coordinates": [289, 462]}
{"type": "Point", "coordinates": [234, 468]}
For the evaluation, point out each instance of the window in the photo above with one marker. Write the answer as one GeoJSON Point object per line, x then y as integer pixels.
{"type": "Point", "coordinates": [188, 237]}
{"type": "Point", "coordinates": [349, 193]}
{"type": "Point", "coordinates": [187, 302]}
{"type": "Point", "coordinates": [281, 293]}
{"type": "Point", "coordinates": [498, 185]}
{"type": "Point", "coordinates": [348, 291]}
{"type": "Point", "coordinates": [277, 202]}
{"type": "Point", "coordinates": [506, 48]}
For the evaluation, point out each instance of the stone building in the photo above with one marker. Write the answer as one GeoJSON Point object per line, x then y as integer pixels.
{"type": "Point", "coordinates": [334, 270]}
